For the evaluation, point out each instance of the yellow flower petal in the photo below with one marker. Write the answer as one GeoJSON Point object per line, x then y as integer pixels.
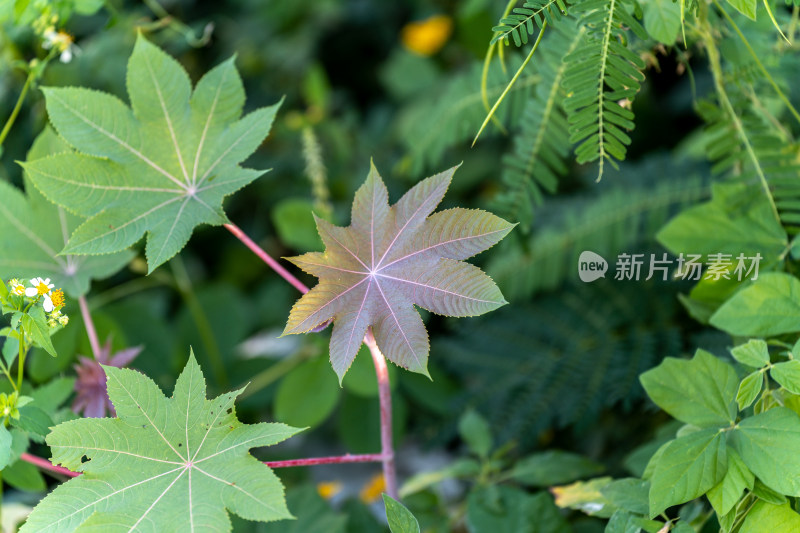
{"type": "Point", "coordinates": [426, 37]}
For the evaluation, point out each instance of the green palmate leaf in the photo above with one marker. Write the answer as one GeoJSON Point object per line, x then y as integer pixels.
{"type": "Point", "coordinates": [700, 391]}
{"type": "Point", "coordinates": [770, 517]}
{"type": "Point", "coordinates": [728, 491]}
{"type": "Point", "coordinates": [768, 444]}
{"type": "Point", "coordinates": [688, 468]}
{"type": "Point", "coordinates": [161, 167]}
{"type": "Point", "coordinates": [754, 353]}
{"type": "Point", "coordinates": [769, 306]}
{"type": "Point", "coordinates": [165, 464]}
{"type": "Point", "coordinates": [400, 519]}
{"type": "Point", "coordinates": [34, 231]}
{"type": "Point", "coordinates": [374, 271]}
{"type": "Point", "coordinates": [749, 389]}
{"type": "Point", "coordinates": [787, 374]}
{"type": "Point", "coordinates": [662, 20]}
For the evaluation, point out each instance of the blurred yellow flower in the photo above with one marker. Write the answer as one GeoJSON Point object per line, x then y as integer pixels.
{"type": "Point", "coordinates": [373, 489]}
{"type": "Point", "coordinates": [329, 489]}
{"type": "Point", "coordinates": [426, 37]}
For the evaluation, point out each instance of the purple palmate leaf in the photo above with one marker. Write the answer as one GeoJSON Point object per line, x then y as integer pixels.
{"type": "Point", "coordinates": [92, 394]}
{"type": "Point", "coordinates": [391, 258]}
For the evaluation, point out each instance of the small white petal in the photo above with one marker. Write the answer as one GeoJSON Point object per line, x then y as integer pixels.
{"type": "Point", "coordinates": [46, 281]}
{"type": "Point", "coordinates": [30, 292]}
{"type": "Point", "coordinates": [35, 281]}
{"type": "Point", "coordinates": [66, 56]}
{"type": "Point", "coordinates": [48, 304]}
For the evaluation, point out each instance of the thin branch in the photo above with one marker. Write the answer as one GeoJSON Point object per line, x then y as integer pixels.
{"type": "Point", "coordinates": [91, 332]}
{"type": "Point", "coordinates": [385, 397]}
{"type": "Point", "coordinates": [44, 464]}
{"type": "Point", "coordinates": [264, 256]}
{"type": "Point", "coordinates": [337, 459]}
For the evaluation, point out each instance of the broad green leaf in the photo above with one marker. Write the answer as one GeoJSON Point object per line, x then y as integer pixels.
{"type": "Point", "coordinates": [389, 259]}
{"type": "Point", "coordinates": [34, 231]}
{"type": "Point", "coordinates": [629, 494]}
{"type": "Point", "coordinates": [728, 491]}
{"type": "Point", "coordinates": [500, 508]}
{"type": "Point", "coordinates": [5, 446]}
{"type": "Point", "coordinates": [162, 166]}
{"type": "Point", "coordinates": [749, 389]}
{"type": "Point", "coordinates": [585, 496]}
{"type": "Point", "coordinates": [772, 518]}
{"type": "Point", "coordinates": [164, 465]}
{"type": "Point", "coordinates": [24, 476]}
{"type": "Point", "coordinates": [33, 420]}
{"type": "Point", "coordinates": [754, 353]}
{"type": "Point", "coordinates": [768, 444]}
{"type": "Point", "coordinates": [700, 391]}
{"type": "Point", "coordinates": [307, 395]}
{"type": "Point", "coordinates": [767, 494]}
{"type": "Point", "coordinates": [35, 325]}
{"type": "Point", "coordinates": [688, 468]}
{"type": "Point", "coordinates": [745, 7]}
{"type": "Point", "coordinates": [314, 515]}
{"type": "Point", "coordinates": [769, 306]}
{"type": "Point", "coordinates": [622, 522]}
{"type": "Point", "coordinates": [553, 467]}
{"type": "Point", "coordinates": [662, 20]}
{"type": "Point", "coordinates": [400, 519]}
{"type": "Point", "coordinates": [787, 374]}
{"type": "Point", "coordinates": [723, 226]}
{"type": "Point", "coordinates": [294, 222]}
{"type": "Point", "coordinates": [475, 431]}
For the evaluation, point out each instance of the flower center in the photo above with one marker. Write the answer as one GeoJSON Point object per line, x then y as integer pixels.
{"type": "Point", "coordinates": [42, 288]}
{"type": "Point", "coordinates": [57, 298]}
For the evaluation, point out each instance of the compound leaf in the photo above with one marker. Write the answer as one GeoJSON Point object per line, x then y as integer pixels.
{"type": "Point", "coordinates": [162, 166]}
{"type": "Point", "coordinates": [374, 271]}
{"type": "Point", "coordinates": [165, 464]}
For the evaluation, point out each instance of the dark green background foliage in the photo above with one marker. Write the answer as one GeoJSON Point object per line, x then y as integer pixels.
{"type": "Point", "coordinates": [558, 368]}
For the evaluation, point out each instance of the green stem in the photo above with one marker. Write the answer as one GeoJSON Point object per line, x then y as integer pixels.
{"type": "Point", "coordinates": [17, 107]}
{"type": "Point", "coordinates": [511, 83]}
{"type": "Point", "coordinates": [21, 361]}
{"type": "Point", "coordinates": [716, 71]}
{"type": "Point", "coordinates": [761, 66]}
{"type": "Point", "coordinates": [200, 319]}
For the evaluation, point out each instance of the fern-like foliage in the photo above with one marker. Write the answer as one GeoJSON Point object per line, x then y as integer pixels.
{"type": "Point", "coordinates": [430, 128]}
{"type": "Point", "coordinates": [538, 158]}
{"type": "Point", "coordinates": [613, 222]}
{"type": "Point", "coordinates": [748, 146]}
{"type": "Point", "coordinates": [562, 360]}
{"type": "Point", "coordinates": [521, 23]}
{"type": "Point", "coordinates": [601, 73]}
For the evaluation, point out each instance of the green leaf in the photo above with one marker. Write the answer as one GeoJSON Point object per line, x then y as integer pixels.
{"type": "Point", "coordinates": [161, 167]}
{"type": "Point", "coordinates": [749, 389]}
{"type": "Point", "coordinates": [361, 379]}
{"type": "Point", "coordinates": [622, 522]}
{"type": "Point", "coordinates": [33, 420]}
{"type": "Point", "coordinates": [769, 306]}
{"type": "Point", "coordinates": [767, 494]}
{"type": "Point", "coordinates": [400, 519]}
{"type": "Point", "coordinates": [727, 492]}
{"type": "Point", "coordinates": [34, 231]}
{"type": "Point", "coordinates": [773, 518]}
{"type": "Point", "coordinates": [24, 476]}
{"type": "Point", "coordinates": [389, 259]}
{"type": "Point", "coordinates": [5, 446]}
{"type": "Point", "coordinates": [294, 221]}
{"type": "Point", "coordinates": [553, 467]}
{"type": "Point", "coordinates": [745, 7]}
{"type": "Point", "coordinates": [585, 496]}
{"type": "Point", "coordinates": [688, 468]}
{"type": "Point", "coordinates": [768, 444]}
{"type": "Point", "coordinates": [700, 391]}
{"type": "Point", "coordinates": [307, 395]}
{"type": "Point", "coordinates": [662, 20]}
{"type": "Point", "coordinates": [717, 227]}
{"type": "Point", "coordinates": [314, 515]}
{"type": "Point", "coordinates": [35, 325]}
{"type": "Point", "coordinates": [475, 431]}
{"type": "Point", "coordinates": [499, 508]}
{"type": "Point", "coordinates": [629, 494]}
{"type": "Point", "coordinates": [787, 374]}
{"type": "Point", "coordinates": [165, 464]}
{"type": "Point", "coordinates": [754, 353]}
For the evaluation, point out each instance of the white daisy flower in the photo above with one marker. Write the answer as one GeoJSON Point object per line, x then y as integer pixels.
{"type": "Point", "coordinates": [62, 42]}
{"type": "Point", "coordinates": [40, 287]}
